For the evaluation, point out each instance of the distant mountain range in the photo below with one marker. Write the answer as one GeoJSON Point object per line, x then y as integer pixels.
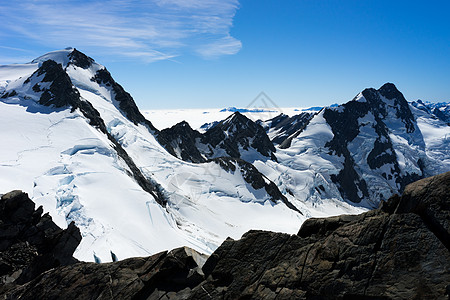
{"type": "Point", "coordinates": [440, 110]}
{"type": "Point", "coordinates": [77, 143]}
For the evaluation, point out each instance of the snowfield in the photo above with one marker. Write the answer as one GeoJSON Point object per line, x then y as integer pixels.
{"type": "Point", "coordinates": [72, 169]}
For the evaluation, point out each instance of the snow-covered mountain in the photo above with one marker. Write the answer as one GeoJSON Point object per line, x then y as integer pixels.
{"type": "Point", "coordinates": [440, 110]}
{"type": "Point", "coordinates": [364, 150]}
{"type": "Point", "coordinates": [359, 152]}
{"type": "Point", "coordinates": [236, 136]}
{"type": "Point", "coordinates": [282, 128]}
{"type": "Point", "coordinates": [77, 143]}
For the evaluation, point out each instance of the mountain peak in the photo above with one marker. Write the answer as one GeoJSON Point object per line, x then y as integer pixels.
{"type": "Point", "coordinates": [237, 116]}
{"type": "Point", "coordinates": [388, 85]}
{"type": "Point", "coordinates": [80, 59]}
{"type": "Point", "coordinates": [61, 92]}
{"type": "Point", "coordinates": [385, 111]}
{"type": "Point", "coordinates": [66, 57]}
{"type": "Point", "coordinates": [376, 98]}
{"type": "Point", "coordinates": [239, 120]}
{"type": "Point", "coordinates": [237, 131]}
{"type": "Point", "coordinates": [59, 56]}
{"type": "Point", "coordinates": [387, 90]}
{"type": "Point", "coordinates": [390, 91]}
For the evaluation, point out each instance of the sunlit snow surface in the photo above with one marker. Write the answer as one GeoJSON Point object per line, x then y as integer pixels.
{"type": "Point", "coordinates": [73, 171]}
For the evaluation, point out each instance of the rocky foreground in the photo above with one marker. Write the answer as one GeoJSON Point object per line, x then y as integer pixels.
{"type": "Point", "coordinates": [399, 251]}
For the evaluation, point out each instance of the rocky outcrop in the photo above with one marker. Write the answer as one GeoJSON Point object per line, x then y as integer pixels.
{"type": "Point", "coordinates": [30, 243]}
{"type": "Point", "coordinates": [165, 275]}
{"type": "Point", "coordinates": [60, 92]}
{"type": "Point", "coordinates": [126, 103]}
{"type": "Point", "coordinates": [237, 137]}
{"type": "Point", "coordinates": [236, 134]}
{"type": "Point", "coordinates": [80, 59]}
{"type": "Point", "coordinates": [398, 251]}
{"type": "Point", "coordinates": [182, 139]}
{"type": "Point", "coordinates": [253, 177]}
{"type": "Point", "coordinates": [286, 128]}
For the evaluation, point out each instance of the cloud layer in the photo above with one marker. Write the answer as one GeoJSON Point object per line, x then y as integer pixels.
{"type": "Point", "coordinates": [147, 30]}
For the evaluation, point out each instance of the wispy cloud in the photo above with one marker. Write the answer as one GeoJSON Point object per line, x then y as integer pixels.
{"type": "Point", "coordinates": [149, 30]}
{"type": "Point", "coordinates": [14, 49]}
{"type": "Point", "coordinates": [225, 46]}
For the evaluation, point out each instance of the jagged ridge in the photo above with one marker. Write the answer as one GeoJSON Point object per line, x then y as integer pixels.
{"type": "Point", "coordinates": [231, 137]}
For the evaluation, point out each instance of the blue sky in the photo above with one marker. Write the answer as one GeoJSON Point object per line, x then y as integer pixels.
{"type": "Point", "coordinates": [217, 53]}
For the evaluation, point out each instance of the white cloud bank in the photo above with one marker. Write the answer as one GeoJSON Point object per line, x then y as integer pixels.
{"type": "Point", "coordinates": [148, 30]}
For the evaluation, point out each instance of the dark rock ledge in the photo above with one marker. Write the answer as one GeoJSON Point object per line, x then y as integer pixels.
{"type": "Point", "coordinates": [398, 251]}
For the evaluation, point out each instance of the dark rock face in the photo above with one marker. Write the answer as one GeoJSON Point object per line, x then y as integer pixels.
{"type": "Point", "coordinates": [252, 176]}
{"type": "Point", "coordinates": [443, 115]}
{"type": "Point", "coordinates": [128, 107]}
{"type": "Point", "coordinates": [182, 138]}
{"type": "Point", "coordinates": [80, 59]}
{"type": "Point", "coordinates": [61, 92]}
{"type": "Point", "coordinates": [345, 128]}
{"type": "Point", "coordinates": [126, 103]}
{"type": "Point", "coordinates": [30, 242]}
{"type": "Point", "coordinates": [167, 274]}
{"type": "Point", "coordinates": [208, 126]}
{"type": "Point", "coordinates": [8, 94]}
{"type": "Point", "coordinates": [227, 138]}
{"type": "Point", "coordinates": [389, 91]}
{"type": "Point", "coordinates": [344, 123]}
{"type": "Point", "coordinates": [288, 128]}
{"type": "Point", "coordinates": [399, 251]}
{"type": "Point", "coordinates": [235, 132]}
{"type": "Point", "coordinates": [430, 198]}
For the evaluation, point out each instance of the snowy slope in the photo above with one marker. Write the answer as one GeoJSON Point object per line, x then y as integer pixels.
{"type": "Point", "coordinates": [202, 197]}
{"type": "Point", "coordinates": [74, 170]}
{"type": "Point", "coordinates": [436, 137]}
